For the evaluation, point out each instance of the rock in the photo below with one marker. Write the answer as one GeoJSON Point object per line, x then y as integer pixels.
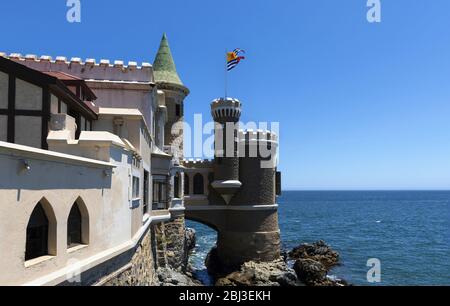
{"type": "Point", "coordinates": [191, 239]}
{"type": "Point", "coordinates": [318, 251]}
{"type": "Point", "coordinates": [310, 272]}
{"type": "Point", "coordinates": [169, 277]}
{"type": "Point", "coordinates": [313, 262]}
{"type": "Point", "coordinates": [275, 273]}
{"type": "Point", "coordinates": [213, 264]}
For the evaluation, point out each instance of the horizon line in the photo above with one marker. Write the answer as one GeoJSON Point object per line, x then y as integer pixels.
{"type": "Point", "coordinates": [365, 189]}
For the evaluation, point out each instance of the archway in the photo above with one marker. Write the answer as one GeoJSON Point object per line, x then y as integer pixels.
{"type": "Point", "coordinates": [206, 239]}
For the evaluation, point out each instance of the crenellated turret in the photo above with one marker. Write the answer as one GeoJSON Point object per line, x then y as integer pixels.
{"type": "Point", "coordinates": [226, 114]}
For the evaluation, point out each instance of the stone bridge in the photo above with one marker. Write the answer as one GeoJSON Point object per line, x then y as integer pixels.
{"type": "Point", "coordinates": [244, 233]}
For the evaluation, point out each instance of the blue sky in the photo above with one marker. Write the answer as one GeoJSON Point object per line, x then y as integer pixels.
{"type": "Point", "coordinates": [360, 105]}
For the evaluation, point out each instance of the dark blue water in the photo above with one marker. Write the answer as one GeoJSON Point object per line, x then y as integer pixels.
{"type": "Point", "coordinates": [408, 231]}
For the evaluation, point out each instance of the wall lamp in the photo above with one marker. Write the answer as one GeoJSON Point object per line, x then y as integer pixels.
{"type": "Point", "coordinates": [26, 165]}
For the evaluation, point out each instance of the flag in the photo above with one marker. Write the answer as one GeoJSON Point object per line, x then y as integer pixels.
{"type": "Point", "coordinates": [233, 58]}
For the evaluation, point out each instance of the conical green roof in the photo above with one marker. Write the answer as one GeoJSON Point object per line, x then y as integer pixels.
{"type": "Point", "coordinates": [164, 67]}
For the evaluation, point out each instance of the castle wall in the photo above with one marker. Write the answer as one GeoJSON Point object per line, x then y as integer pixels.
{"type": "Point", "coordinates": [258, 184]}
{"type": "Point", "coordinates": [136, 267]}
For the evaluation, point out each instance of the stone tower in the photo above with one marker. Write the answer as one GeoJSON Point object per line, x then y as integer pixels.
{"type": "Point", "coordinates": [170, 85]}
{"type": "Point", "coordinates": [226, 113]}
{"type": "Point", "coordinates": [244, 177]}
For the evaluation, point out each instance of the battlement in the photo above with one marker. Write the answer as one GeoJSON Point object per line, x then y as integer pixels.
{"type": "Point", "coordinates": [197, 163]}
{"type": "Point", "coordinates": [226, 110]}
{"type": "Point", "coordinates": [254, 137]}
{"type": "Point", "coordinates": [90, 69]}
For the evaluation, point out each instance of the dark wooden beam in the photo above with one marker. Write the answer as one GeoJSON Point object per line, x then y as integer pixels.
{"type": "Point", "coordinates": [45, 116]}
{"type": "Point", "coordinates": [11, 107]}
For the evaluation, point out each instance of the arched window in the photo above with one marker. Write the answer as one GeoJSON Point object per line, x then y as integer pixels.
{"type": "Point", "coordinates": [198, 184]}
{"type": "Point", "coordinates": [176, 186]}
{"type": "Point", "coordinates": [37, 234]}
{"type": "Point", "coordinates": [78, 225]}
{"type": "Point", "coordinates": [74, 227]}
{"type": "Point", "coordinates": [186, 184]}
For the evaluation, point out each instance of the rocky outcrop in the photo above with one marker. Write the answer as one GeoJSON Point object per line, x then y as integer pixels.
{"type": "Point", "coordinates": [275, 273]}
{"type": "Point", "coordinates": [313, 262]}
{"type": "Point", "coordinates": [191, 240]}
{"type": "Point", "coordinates": [318, 251]}
{"type": "Point", "coordinates": [169, 277]}
{"type": "Point", "coordinates": [311, 267]}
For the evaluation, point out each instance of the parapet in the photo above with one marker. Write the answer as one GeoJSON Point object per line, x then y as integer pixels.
{"type": "Point", "coordinates": [254, 137]}
{"type": "Point", "coordinates": [226, 110]}
{"type": "Point", "coordinates": [104, 70]}
{"type": "Point", "coordinates": [197, 163]}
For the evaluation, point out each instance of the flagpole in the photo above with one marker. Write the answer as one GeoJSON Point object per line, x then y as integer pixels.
{"type": "Point", "coordinates": [226, 74]}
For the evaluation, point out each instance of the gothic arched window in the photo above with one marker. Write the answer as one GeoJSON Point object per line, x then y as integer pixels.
{"type": "Point", "coordinates": [198, 184]}
{"type": "Point", "coordinates": [37, 234]}
{"type": "Point", "coordinates": [74, 227]}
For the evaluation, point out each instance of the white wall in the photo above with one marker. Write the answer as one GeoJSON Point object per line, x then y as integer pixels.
{"type": "Point", "coordinates": [4, 81]}
{"type": "Point", "coordinates": [28, 96]}
{"type": "Point", "coordinates": [28, 131]}
{"type": "Point", "coordinates": [61, 182]}
{"type": "Point", "coordinates": [3, 128]}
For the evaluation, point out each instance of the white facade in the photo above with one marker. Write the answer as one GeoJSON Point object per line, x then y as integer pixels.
{"type": "Point", "coordinates": [103, 170]}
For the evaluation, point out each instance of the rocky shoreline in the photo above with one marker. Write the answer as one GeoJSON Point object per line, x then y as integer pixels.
{"type": "Point", "coordinates": [305, 265]}
{"type": "Point", "coordinates": [311, 264]}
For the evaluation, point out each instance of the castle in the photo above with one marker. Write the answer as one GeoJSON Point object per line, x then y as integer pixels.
{"type": "Point", "coordinates": [94, 188]}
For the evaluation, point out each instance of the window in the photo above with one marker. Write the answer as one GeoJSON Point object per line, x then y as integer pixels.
{"type": "Point", "coordinates": [146, 186]}
{"type": "Point", "coordinates": [198, 184]}
{"type": "Point", "coordinates": [186, 184]}
{"type": "Point", "coordinates": [74, 227]}
{"type": "Point", "coordinates": [159, 194]}
{"type": "Point", "coordinates": [82, 123]}
{"type": "Point", "coordinates": [278, 183]}
{"type": "Point", "coordinates": [176, 186]}
{"type": "Point", "coordinates": [135, 187]}
{"type": "Point", "coordinates": [63, 107]}
{"type": "Point", "coordinates": [54, 105]}
{"type": "Point", "coordinates": [177, 110]}
{"type": "Point", "coordinates": [37, 234]}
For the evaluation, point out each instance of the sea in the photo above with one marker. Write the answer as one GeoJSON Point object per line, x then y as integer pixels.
{"type": "Point", "coordinates": [406, 234]}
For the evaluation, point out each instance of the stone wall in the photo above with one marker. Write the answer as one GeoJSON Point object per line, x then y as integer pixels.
{"type": "Point", "coordinates": [136, 267]}
{"type": "Point", "coordinates": [162, 249]}
{"type": "Point", "coordinates": [139, 271]}
{"type": "Point", "coordinates": [170, 244]}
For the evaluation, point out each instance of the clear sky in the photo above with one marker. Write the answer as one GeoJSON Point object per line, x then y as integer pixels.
{"type": "Point", "coordinates": [360, 105]}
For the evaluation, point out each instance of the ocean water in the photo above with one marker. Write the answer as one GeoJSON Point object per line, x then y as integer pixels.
{"type": "Point", "coordinates": [408, 231]}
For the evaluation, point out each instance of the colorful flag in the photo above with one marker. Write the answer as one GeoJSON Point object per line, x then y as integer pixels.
{"type": "Point", "coordinates": [233, 58]}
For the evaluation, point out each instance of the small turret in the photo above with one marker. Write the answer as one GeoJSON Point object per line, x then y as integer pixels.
{"type": "Point", "coordinates": [226, 110]}
{"type": "Point", "coordinates": [226, 113]}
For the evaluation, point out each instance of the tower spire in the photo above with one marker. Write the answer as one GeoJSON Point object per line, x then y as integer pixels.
{"type": "Point", "coordinates": [164, 67]}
